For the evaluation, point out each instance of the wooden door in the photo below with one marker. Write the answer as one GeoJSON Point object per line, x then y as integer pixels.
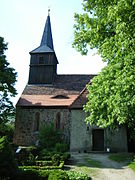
{"type": "Point", "coordinates": [98, 139]}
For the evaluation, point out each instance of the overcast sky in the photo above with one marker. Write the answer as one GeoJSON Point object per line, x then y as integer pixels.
{"type": "Point", "coordinates": [22, 23]}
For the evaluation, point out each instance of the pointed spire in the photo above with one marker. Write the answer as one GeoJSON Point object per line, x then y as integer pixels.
{"type": "Point", "coordinates": [47, 34]}
{"type": "Point", "coordinates": [46, 44]}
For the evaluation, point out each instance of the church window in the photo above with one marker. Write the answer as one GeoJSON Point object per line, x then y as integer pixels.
{"type": "Point", "coordinates": [41, 60]}
{"type": "Point", "coordinates": [58, 121]}
{"type": "Point", "coordinates": [37, 121]}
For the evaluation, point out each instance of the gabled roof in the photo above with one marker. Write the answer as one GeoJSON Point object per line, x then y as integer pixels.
{"type": "Point", "coordinates": [81, 100]}
{"type": "Point", "coordinates": [46, 44]}
{"type": "Point", "coordinates": [71, 86]}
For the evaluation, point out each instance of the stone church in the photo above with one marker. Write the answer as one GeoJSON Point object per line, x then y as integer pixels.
{"type": "Point", "coordinates": [59, 99]}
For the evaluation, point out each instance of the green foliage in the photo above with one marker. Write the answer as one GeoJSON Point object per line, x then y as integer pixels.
{"type": "Point", "coordinates": [8, 165]}
{"type": "Point", "coordinates": [7, 130]}
{"type": "Point", "coordinates": [109, 27]}
{"type": "Point", "coordinates": [132, 164]}
{"type": "Point", "coordinates": [7, 82]}
{"type": "Point", "coordinates": [49, 136]}
{"type": "Point", "coordinates": [77, 175]}
{"type": "Point", "coordinates": [58, 175]}
{"type": "Point", "coordinates": [32, 174]}
{"type": "Point", "coordinates": [27, 156]}
{"type": "Point", "coordinates": [56, 159]}
{"type": "Point", "coordinates": [61, 147]}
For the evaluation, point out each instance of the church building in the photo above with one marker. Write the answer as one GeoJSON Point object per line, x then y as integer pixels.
{"type": "Point", "coordinates": [59, 98]}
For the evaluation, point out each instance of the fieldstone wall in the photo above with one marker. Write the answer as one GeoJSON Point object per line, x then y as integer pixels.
{"type": "Point", "coordinates": [24, 125]}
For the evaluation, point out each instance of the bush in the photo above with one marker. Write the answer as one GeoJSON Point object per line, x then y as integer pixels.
{"type": "Point", "coordinates": [7, 130]}
{"type": "Point", "coordinates": [33, 174]}
{"type": "Point", "coordinates": [64, 157]}
{"type": "Point", "coordinates": [61, 147]}
{"type": "Point", "coordinates": [8, 165]}
{"type": "Point", "coordinates": [58, 175]}
{"type": "Point", "coordinates": [27, 156]}
{"type": "Point", "coordinates": [49, 136]}
{"type": "Point", "coordinates": [56, 159]}
{"type": "Point", "coordinates": [77, 175]}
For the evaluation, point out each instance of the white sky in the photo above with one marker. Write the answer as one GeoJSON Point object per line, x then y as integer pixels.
{"type": "Point", "coordinates": [22, 23]}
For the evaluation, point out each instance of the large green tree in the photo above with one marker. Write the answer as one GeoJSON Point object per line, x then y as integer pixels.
{"type": "Point", "coordinates": [108, 26]}
{"type": "Point", "coordinates": [7, 82]}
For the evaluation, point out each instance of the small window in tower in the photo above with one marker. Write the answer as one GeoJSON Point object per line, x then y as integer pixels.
{"type": "Point", "coordinates": [36, 122]}
{"type": "Point", "coordinates": [41, 60]}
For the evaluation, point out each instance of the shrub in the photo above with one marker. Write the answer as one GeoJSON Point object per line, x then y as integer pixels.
{"type": "Point", "coordinates": [7, 130]}
{"type": "Point", "coordinates": [72, 175]}
{"type": "Point", "coordinates": [65, 157]}
{"type": "Point", "coordinates": [56, 159]}
{"type": "Point", "coordinates": [8, 165]}
{"type": "Point", "coordinates": [58, 175]}
{"type": "Point", "coordinates": [27, 156]}
{"type": "Point", "coordinates": [49, 136]}
{"type": "Point", "coordinates": [33, 174]}
{"type": "Point", "coordinates": [61, 147]}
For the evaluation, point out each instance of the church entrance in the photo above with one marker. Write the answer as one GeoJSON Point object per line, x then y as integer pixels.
{"type": "Point", "coordinates": [98, 139]}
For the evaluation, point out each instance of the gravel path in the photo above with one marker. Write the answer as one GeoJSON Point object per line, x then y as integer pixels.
{"type": "Point", "coordinates": [106, 170]}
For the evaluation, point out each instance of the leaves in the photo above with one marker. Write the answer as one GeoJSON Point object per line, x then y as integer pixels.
{"type": "Point", "coordinates": [7, 82]}
{"type": "Point", "coordinates": [108, 25]}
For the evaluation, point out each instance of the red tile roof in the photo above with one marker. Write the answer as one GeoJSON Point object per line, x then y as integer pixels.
{"type": "Point", "coordinates": [45, 100]}
{"type": "Point", "coordinates": [65, 85]}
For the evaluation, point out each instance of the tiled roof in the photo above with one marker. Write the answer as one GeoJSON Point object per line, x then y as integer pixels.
{"type": "Point", "coordinates": [80, 100]}
{"type": "Point", "coordinates": [67, 85]}
{"type": "Point", "coordinates": [45, 100]}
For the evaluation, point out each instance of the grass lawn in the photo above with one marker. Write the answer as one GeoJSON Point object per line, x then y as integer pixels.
{"type": "Point", "coordinates": [132, 164]}
{"type": "Point", "coordinates": [121, 157]}
{"type": "Point", "coordinates": [92, 163]}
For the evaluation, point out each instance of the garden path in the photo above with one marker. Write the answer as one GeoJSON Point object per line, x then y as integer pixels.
{"type": "Point", "coordinates": [100, 167]}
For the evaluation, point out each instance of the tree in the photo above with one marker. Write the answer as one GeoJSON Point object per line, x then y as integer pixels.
{"type": "Point", "coordinates": [7, 82]}
{"type": "Point", "coordinates": [8, 166]}
{"type": "Point", "coordinates": [108, 26]}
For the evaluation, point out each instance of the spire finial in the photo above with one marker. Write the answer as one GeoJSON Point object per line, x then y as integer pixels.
{"type": "Point", "coordinates": [48, 11]}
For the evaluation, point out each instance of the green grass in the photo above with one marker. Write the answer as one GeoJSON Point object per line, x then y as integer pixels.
{"type": "Point", "coordinates": [86, 170]}
{"type": "Point", "coordinates": [132, 164]}
{"type": "Point", "coordinates": [93, 163]}
{"type": "Point", "coordinates": [121, 157]}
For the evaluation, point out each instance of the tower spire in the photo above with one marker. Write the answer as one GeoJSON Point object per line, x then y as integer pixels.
{"type": "Point", "coordinates": [47, 34]}
{"type": "Point", "coordinates": [46, 44]}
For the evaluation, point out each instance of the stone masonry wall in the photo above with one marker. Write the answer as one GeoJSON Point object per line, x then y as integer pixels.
{"type": "Point", "coordinates": [24, 125]}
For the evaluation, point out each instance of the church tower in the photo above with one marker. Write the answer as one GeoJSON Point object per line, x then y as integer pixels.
{"type": "Point", "coordinates": [43, 62]}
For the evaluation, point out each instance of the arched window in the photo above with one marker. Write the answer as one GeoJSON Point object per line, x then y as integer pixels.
{"type": "Point", "coordinates": [58, 121]}
{"type": "Point", "coordinates": [36, 121]}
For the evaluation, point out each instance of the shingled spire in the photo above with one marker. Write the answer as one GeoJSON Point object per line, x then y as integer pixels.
{"type": "Point", "coordinates": [47, 34]}
{"type": "Point", "coordinates": [46, 44]}
{"type": "Point", "coordinates": [43, 63]}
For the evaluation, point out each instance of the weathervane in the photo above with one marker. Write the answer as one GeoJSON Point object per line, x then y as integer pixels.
{"type": "Point", "coordinates": [48, 11]}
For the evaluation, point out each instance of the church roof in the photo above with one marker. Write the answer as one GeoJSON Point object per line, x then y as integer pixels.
{"type": "Point", "coordinates": [65, 90]}
{"type": "Point", "coordinates": [46, 44]}
{"type": "Point", "coordinates": [81, 100]}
